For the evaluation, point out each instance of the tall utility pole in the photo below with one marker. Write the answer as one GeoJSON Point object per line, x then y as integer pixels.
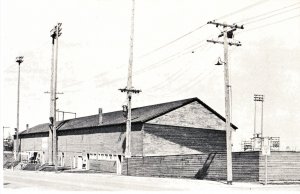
{"type": "Point", "coordinates": [53, 149]}
{"type": "Point", "coordinates": [19, 60]}
{"type": "Point", "coordinates": [129, 89]}
{"type": "Point", "coordinates": [227, 34]}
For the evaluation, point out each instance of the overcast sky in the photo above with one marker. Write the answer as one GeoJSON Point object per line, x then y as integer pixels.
{"type": "Point", "coordinates": [94, 52]}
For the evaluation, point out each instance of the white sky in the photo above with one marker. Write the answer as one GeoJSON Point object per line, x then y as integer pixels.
{"type": "Point", "coordinates": [94, 52]}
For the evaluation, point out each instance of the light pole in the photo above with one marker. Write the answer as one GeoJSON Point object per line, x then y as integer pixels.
{"type": "Point", "coordinates": [19, 60]}
{"type": "Point", "coordinates": [53, 147]}
{"type": "Point", "coordinates": [260, 98]}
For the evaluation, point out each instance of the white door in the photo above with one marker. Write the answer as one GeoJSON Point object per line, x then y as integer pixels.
{"type": "Point", "coordinates": [79, 162]}
{"type": "Point", "coordinates": [119, 164]}
{"type": "Point", "coordinates": [74, 162]}
{"type": "Point", "coordinates": [62, 159]}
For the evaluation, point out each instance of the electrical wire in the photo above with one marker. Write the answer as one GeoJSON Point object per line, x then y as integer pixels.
{"type": "Point", "coordinates": [269, 24]}
{"type": "Point", "coordinates": [198, 28]}
{"type": "Point", "coordinates": [266, 13]}
{"type": "Point", "coordinates": [260, 19]}
{"type": "Point", "coordinates": [166, 60]}
{"type": "Point", "coordinates": [160, 86]}
{"type": "Point", "coordinates": [171, 42]}
{"type": "Point", "coordinates": [242, 9]}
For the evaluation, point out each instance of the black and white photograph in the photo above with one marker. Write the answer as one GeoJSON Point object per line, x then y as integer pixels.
{"type": "Point", "coordinates": [150, 96]}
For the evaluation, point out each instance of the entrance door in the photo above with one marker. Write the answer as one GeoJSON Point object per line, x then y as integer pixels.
{"type": "Point", "coordinates": [79, 162]}
{"type": "Point", "coordinates": [62, 159]}
{"type": "Point", "coordinates": [85, 163]}
{"type": "Point", "coordinates": [119, 164]}
{"type": "Point", "coordinates": [74, 162]}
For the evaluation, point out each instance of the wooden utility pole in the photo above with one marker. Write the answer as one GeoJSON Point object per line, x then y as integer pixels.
{"type": "Point", "coordinates": [227, 34]}
{"type": "Point", "coordinates": [19, 60]}
{"type": "Point", "coordinates": [129, 89]}
{"type": "Point", "coordinates": [55, 33]}
{"type": "Point", "coordinates": [227, 110]}
{"type": "Point", "coordinates": [50, 140]}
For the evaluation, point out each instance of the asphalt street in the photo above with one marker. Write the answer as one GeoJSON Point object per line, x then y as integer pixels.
{"type": "Point", "coordinates": [51, 181]}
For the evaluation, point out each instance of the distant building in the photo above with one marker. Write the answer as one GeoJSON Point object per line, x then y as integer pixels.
{"type": "Point", "coordinates": [8, 144]}
{"type": "Point", "coordinates": [256, 143]}
{"type": "Point", "coordinates": [184, 138]}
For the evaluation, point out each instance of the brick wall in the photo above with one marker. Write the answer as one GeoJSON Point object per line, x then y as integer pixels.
{"type": "Point", "coordinates": [191, 115]}
{"type": "Point", "coordinates": [77, 142]}
{"type": "Point", "coordinates": [172, 140]}
{"type": "Point", "coordinates": [34, 144]}
{"type": "Point", "coordinates": [187, 166]}
{"type": "Point", "coordinates": [109, 140]}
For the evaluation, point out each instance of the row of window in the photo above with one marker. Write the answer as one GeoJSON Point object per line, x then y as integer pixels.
{"type": "Point", "coordinates": [110, 157]}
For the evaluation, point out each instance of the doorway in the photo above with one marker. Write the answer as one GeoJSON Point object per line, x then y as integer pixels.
{"type": "Point", "coordinates": [79, 162]}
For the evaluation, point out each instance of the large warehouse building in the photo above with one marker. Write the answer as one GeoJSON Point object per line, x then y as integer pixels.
{"type": "Point", "coordinates": [184, 138]}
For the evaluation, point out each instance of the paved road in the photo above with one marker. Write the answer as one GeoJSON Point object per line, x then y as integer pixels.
{"type": "Point", "coordinates": [49, 181]}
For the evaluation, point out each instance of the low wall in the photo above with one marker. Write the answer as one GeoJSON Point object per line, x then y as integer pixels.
{"type": "Point", "coordinates": [203, 166]}
{"type": "Point", "coordinates": [245, 166]}
{"type": "Point", "coordinates": [282, 166]}
{"type": "Point", "coordinates": [103, 166]}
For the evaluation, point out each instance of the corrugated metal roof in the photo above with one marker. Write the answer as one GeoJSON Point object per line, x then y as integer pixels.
{"type": "Point", "coordinates": [140, 114]}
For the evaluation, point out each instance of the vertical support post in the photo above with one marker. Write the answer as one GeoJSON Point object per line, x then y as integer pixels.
{"type": "Point", "coordinates": [254, 134]}
{"type": "Point", "coordinates": [18, 115]}
{"type": "Point", "coordinates": [227, 89]}
{"type": "Point", "coordinates": [52, 108]}
{"type": "Point", "coordinates": [19, 60]}
{"type": "Point", "coordinates": [262, 116]}
{"type": "Point", "coordinates": [55, 147]}
{"type": "Point", "coordinates": [227, 110]}
{"type": "Point", "coordinates": [129, 88]}
{"type": "Point", "coordinates": [266, 169]}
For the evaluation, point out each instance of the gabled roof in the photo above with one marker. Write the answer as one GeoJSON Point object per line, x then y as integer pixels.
{"type": "Point", "coordinates": [140, 114]}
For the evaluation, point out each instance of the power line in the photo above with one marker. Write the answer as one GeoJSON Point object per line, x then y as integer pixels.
{"type": "Point", "coordinates": [266, 13]}
{"type": "Point", "coordinates": [179, 53]}
{"type": "Point", "coordinates": [242, 9]}
{"type": "Point", "coordinates": [199, 27]}
{"type": "Point", "coordinates": [260, 19]}
{"type": "Point", "coordinates": [156, 64]}
{"type": "Point", "coordinates": [272, 23]}
{"type": "Point", "coordinates": [173, 76]}
{"type": "Point", "coordinates": [190, 83]}
{"type": "Point", "coordinates": [151, 66]}
{"type": "Point", "coordinates": [171, 42]}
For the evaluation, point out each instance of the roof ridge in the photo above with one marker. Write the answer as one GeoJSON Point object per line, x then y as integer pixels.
{"type": "Point", "coordinates": [191, 99]}
{"type": "Point", "coordinates": [187, 99]}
